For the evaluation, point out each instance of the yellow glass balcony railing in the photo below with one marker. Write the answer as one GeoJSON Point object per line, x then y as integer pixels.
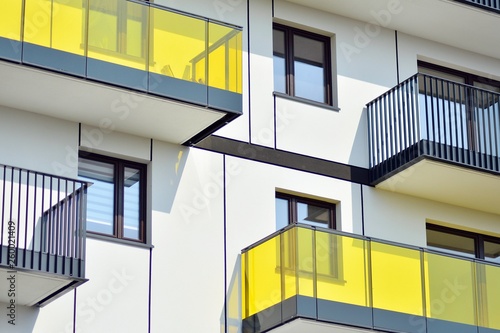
{"type": "Point", "coordinates": [137, 45]}
{"type": "Point", "coordinates": [325, 275]}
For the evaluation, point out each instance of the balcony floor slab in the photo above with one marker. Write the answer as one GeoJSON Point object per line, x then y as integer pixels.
{"type": "Point", "coordinates": [447, 183]}
{"type": "Point", "coordinates": [85, 101]}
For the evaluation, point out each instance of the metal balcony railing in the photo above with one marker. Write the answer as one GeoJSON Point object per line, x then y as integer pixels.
{"type": "Point", "coordinates": [491, 5]}
{"type": "Point", "coordinates": [334, 277]}
{"type": "Point", "coordinates": [42, 222]}
{"type": "Point", "coordinates": [434, 117]}
{"type": "Point", "coordinates": [133, 44]}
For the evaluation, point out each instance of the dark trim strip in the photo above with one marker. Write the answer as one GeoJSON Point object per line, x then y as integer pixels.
{"type": "Point", "coordinates": [150, 282]}
{"type": "Point", "coordinates": [285, 159]}
{"type": "Point", "coordinates": [249, 73]}
{"type": "Point", "coordinates": [362, 211]}
{"type": "Point", "coordinates": [74, 309]}
{"type": "Point", "coordinates": [212, 128]}
{"type": "Point", "coordinates": [224, 180]}
{"type": "Point", "coordinates": [151, 151]}
{"type": "Point", "coordinates": [397, 55]}
{"type": "Point", "coordinates": [59, 292]}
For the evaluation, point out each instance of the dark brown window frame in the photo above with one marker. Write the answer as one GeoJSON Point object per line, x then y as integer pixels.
{"type": "Point", "coordinates": [292, 207]}
{"type": "Point", "coordinates": [479, 239]}
{"type": "Point", "coordinates": [290, 264]}
{"type": "Point", "coordinates": [468, 77]}
{"type": "Point", "coordinates": [118, 205]}
{"type": "Point", "coordinates": [289, 33]}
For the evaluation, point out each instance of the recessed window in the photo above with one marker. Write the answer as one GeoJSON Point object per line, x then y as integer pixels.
{"type": "Point", "coordinates": [116, 200]}
{"type": "Point", "coordinates": [302, 64]}
{"type": "Point", "coordinates": [291, 209]}
{"type": "Point", "coordinates": [463, 243]}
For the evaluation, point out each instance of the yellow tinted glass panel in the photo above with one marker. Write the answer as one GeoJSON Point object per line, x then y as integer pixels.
{"type": "Point", "coordinates": [288, 264]}
{"type": "Point", "coordinates": [224, 71]}
{"type": "Point", "coordinates": [244, 290]}
{"type": "Point", "coordinates": [489, 294]}
{"type": "Point", "coordinates": [341, 268]}
{"type": "Point", "coordinates": [235, 64]}
{"type": "Point", "coordinates": [263, 277]}
{"type": "Point", "coordinates": [117, 32]}
{"type": "Point", "coordinates": [10, 19]}
{"type": "Point", "coordinates": [68, 26]}
{"type": "Point", "coordinates": [305, 262]}
{"type": "Point", "coordinates": [178, 46]}
{"type": "Point", "coordinates": [450, 289]}
{"type": "Point", "coordinates": [396, 279]}
{"type": "Point", "coordinates": [57, 24]}
{"type": "Point", "coordinates": [37, 22]}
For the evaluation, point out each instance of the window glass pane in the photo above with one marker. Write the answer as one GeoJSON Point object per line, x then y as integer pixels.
{"type": "Point", "coordinates": [450, 243]}
{"type": "Point", "coordinates": [279, 61]}
{"type": "Point", "coordinates": [282, 215]}
{"type": "Point", "coordinates": [492, 251]}
{"type": "Point", "coordinates": [313, 215]}
{"type": "Point", "coordinates": [309, 82]}
{"type": "Point", "coordinates": [131, 206]}
{"type": "Point", "coordinates": [309, 50]}
{"type": "Point", "coordinates": [441, 74]}
{"type": "Point", "coordinates": [309, 68]}
{"type": "Point", "coordinates": [100, 196]}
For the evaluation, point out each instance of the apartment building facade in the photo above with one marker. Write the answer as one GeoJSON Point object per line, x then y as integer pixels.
{"type": "Point", "coordinates": [249, 166]}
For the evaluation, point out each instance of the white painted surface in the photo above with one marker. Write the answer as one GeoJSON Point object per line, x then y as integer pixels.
{"type": "Point", "coordinates": [117, 295]}
{"type": "Point", "coordinates": [188, 257]}
{"type": "Point", "coordinates": [113, 143]}
{"type": "Point", "coordinates": [38, 142]}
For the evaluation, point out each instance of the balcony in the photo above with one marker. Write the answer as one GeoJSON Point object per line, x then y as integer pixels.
{"type": "Point", "coordinates": [149, 70]}
{"type": "Point", "coordinates": [42, 248]}
{"type": "Point", "coordinates": [302, 279]}
{"type": "Point", "coordinates": [437, 139]}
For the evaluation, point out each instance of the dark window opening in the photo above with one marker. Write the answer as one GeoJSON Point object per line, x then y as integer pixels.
{"type": "Point", "coordinates": [302, 64]}
{"type": "Point", "coordinates": [291, 209]}
{"type": "Point", "coordinates": [116, 200]}
{"type": "Point", "coordinates": [463, 243]}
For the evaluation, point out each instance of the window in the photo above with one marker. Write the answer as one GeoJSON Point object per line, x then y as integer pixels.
{"type": "Point", "coordinates": [326, 248]}
{"type": "Point", "coordinates": [463, 243]}
{"type": "Point", "coordinates": [302, 64]}
{"type": "Point", "coordinates": [291, 209]}
{"type": "Point", "coordinates": [116, 200]}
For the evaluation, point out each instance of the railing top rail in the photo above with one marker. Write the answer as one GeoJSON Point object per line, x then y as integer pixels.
{"type": "Point", "coordinates": [46, 174]}
{"type": "Point", "coordinates": [181, 12]}
{"type": "Point", "coordinates": [366, 238]}
{"type": "Point", "coordinates": [465, 85]}
{"type": "Point", "coordinates": [393, 88]}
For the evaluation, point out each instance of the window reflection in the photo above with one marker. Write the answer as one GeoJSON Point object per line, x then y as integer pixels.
{"type": "Point", "coordinates": [100, 196]}
{"type": "Point", "coordinates": [131, 206]}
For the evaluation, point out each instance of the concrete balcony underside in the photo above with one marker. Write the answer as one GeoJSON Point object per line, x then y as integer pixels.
{"type": "Point", "coordinates": [466, 27]}
{"type": "Point", "coordinates": [301, 325]}
{"type": "Point", "coordinates": [105, 106]}
{"type": "Point", "coordinates": [34, 288]}
{"type": "Point", "coordinates": [446, 182]}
